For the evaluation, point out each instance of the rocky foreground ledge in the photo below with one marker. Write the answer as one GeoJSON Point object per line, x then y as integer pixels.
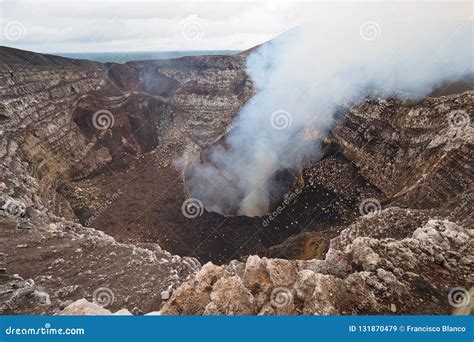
{"type": "Point", "coordinates": [381, 271]}
{"type": "Point", "coordinates": [377, 272]}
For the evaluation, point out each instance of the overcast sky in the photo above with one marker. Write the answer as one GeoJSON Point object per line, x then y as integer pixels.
{"type": "Point", "coordinates": [121, 25]}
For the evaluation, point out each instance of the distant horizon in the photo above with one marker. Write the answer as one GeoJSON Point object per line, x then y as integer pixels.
{"type": "Point", "coordinates": [121, 51]}
{"type": "Point", "coordinates": [127, 56]}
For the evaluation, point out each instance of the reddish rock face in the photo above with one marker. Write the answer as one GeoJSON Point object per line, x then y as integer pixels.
{"type": "Point", "coordinates": [136, 121]}
{"type": "Point", "coordinates": [124, 77]}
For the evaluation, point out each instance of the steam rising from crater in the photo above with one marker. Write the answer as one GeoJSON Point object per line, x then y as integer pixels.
{"type": "Point", "coordinates": [302, 77]}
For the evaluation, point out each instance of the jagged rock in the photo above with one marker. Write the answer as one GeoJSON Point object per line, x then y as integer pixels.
{"type": "Point", "coordinates": [363, 255]}
{"type": "Point", "coordinates": [282, 272]}
{"type": "Point", "coordinates": [15, 292]}
{"type": "Point", "coordinates": [213, 291]}
{"type": "Point", "coordinates": [322, 294]}
{"type": "Point", "coordinates": [382, 276]}
{"type": "Point", "coordinates": [42, 297]}
{"type": "Point", "coordinates": [13, 208]}
{"type": "Point", "coordinates": [123, 312]}
{"type": "Point", "coordinates": [83, 307]}
{"type": "Point", "coordinates": [257, 280]}
{"type": "Point", "coordinates": [230, 297]}
{"type": "Point", "coordinates": [193, 296]}
{"type": "Point", "coordinates": [153, 313]}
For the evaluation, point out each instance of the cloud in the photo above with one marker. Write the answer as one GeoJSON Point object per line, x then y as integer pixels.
{"type": "Point", "coordinates": [62, 26]}
{"type": "Point", "coordinates": [305, 75]}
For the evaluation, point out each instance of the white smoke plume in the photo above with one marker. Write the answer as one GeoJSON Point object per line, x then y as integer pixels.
{"type": "Point", "coordinates": [301, 78]}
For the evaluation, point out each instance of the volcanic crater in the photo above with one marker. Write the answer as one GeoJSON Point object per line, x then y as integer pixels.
{"type": "Point", "coordinates": [135, 190]}
{"type": "Point", "coordinates": [128, 179]}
